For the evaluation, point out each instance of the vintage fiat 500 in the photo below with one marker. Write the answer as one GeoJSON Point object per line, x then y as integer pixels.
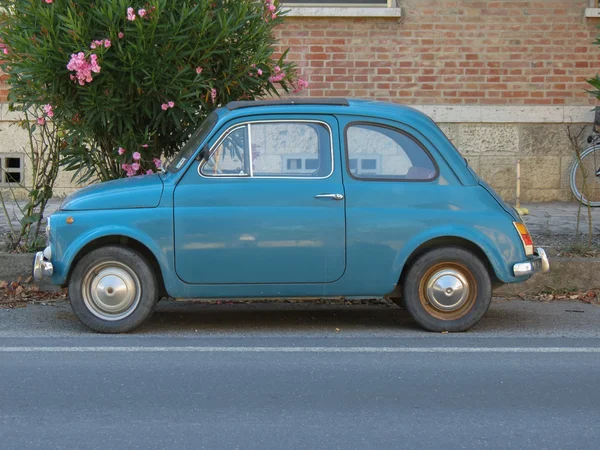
{"type": "Point", "coordinates": [294, 198]}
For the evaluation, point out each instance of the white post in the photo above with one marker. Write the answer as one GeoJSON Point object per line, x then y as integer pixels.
{"type": "Point", "coordinates": [518, 183]}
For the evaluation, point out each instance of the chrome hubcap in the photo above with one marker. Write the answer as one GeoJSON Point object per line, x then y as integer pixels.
{"type": "Point", "coordinates": [447, 290]}
{"type": "Point", "coordinates": [111, 291]}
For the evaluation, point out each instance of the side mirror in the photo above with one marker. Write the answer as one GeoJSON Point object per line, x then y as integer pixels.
{"type": "Point", "coordinates": [203, 154]}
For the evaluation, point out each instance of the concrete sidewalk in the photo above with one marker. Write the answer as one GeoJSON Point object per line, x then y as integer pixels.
{"type": "Point", "coordinates": [559, 218]}
{"type": "Point", "coordinates": [543, 218]}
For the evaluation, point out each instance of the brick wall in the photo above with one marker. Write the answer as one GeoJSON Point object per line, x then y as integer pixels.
{"type": "Point", "coordinates": [452, 52]}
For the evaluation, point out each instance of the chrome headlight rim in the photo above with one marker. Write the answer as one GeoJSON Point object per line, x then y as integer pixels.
{"type": "Point", "coordinates": [48, 227]}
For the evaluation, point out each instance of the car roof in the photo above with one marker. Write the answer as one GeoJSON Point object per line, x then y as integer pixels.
{"type": "Point", "coordinates": [322, 106]}
{"type": "Point", "coordinates": [287, 101]}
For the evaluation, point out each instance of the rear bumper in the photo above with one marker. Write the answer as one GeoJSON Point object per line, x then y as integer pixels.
{"type": "Point", "coordinates": [537, 263]}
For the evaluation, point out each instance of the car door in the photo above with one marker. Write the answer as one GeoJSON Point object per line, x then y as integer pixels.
{"type": "Point", "coordinates": [265, 206]}
{"type": "Point", "coordinates": [395, 189]}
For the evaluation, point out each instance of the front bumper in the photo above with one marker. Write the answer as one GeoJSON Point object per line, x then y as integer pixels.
{"type": "Point", "coordinates": [537, 263]}
{"type": "Point", "coordinates": [42, 267]}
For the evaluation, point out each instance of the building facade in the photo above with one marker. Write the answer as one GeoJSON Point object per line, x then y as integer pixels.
{"type": "Point", "coordinates": [504, 79]}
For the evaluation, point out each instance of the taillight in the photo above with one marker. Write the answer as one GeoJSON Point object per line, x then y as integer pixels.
{"type": "Point", "coordinates": [525, 237]}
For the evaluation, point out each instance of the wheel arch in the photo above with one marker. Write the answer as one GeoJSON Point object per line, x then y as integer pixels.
{"type": "Point", "coordinates": [451, 241]}
{"type": "Point", "coordinates": [122, 241]}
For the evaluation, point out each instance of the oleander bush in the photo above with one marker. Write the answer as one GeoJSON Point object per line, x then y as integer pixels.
{"type": "Point", "coordinates": [127, 81]}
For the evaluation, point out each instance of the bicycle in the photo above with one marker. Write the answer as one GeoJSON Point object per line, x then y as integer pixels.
{"type": "Point", "coordinates": [585, 172]}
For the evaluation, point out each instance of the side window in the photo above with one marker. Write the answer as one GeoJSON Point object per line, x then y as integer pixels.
{"type": "Point", "coordinates": [290, 149]}
{"type": "Point", "coordinates": [377, 152]}
{"type": "Point", "coordinates": [230, 156]}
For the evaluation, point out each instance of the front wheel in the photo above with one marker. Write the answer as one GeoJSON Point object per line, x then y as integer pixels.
{"type": "Point", "coordinates": [113, 289]}
{"type": "Point", "coordinates": [447, 289]}
{"type": "Point", "coordinates": [585, 177]}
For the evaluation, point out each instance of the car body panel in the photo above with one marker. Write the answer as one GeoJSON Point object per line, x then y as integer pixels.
{"type": "Point", "coordinates": [252, 238]}
{"type": "Point", "coordinates": [136, 192]}
{"type": "Point", "coordinates": [260, 230]}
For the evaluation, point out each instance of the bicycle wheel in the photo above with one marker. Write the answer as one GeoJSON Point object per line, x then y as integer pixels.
{"type": "Point", "coordinates": [587, 169]}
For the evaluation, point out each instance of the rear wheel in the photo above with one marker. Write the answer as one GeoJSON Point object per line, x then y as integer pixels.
{"type": "Point", "coordinates": [447, 289]}
{"type": "Point", "coordinates": [113, 289]}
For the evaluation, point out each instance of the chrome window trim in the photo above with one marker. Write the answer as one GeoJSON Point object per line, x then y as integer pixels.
{"type": "Point", "coordinates": [250, 157]}
{"type": "Point", "coordinates": [249, 124]}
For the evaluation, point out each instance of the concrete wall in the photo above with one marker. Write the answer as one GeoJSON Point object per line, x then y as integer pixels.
{"type": "Point", "coordinates": [544, 152]}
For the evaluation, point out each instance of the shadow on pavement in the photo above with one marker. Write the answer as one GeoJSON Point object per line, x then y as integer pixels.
{"type": "Point", "coordinates": [275, 317]}
{"type": "Point", "coordinates": [229, 319]}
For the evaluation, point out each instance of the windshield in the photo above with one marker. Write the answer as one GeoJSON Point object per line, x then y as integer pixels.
{"type": "Point", "coordinates": [190, 147]}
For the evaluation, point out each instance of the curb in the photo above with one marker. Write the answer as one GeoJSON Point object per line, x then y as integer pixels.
{"type": "Point", "coordinates": [575, 274]}
{"type": "Point", "coordinates": [15, 265]}
{"type": "Point", "coordinates": [565, 274]}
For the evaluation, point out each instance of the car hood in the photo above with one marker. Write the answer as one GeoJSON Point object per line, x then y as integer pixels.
{"type": "Point", "coordinates": [135, 192]}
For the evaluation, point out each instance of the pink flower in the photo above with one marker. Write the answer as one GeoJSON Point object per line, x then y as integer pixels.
{"type": "Point", "coordinates": [41, 121]}
{"type": "Point", "coordinates": [272, 7]}
{"type": "Point", "coordinates": [277, 78]}
{"type": "Point", "coordinates": [145, 146]}
{"type": "Point", "coordinates": [126, 167]}
{"type": "Point", "coordinates": [130, 14]}
{"type": "Point", "coordinates": [141, 12]}
{"type": "Point", "coordinates": [107, 43]}
{"type": "Point", "coordinates": [157, 163]}
{"type": "Point", "coordinates": [82, 68]}
{"type": "Point", "coordinates": [48, 110]}
{"type": "Point", "coordinates": [149, 172]}
{"type": "Point", "coordinates": [137, 156]}
{"type": "Point", "coordinates": [94, 67]}
{"type": "Point", "coordinates": [198, 70]}
{"type": "Point", "coordinates": [300, 85]}
{"type": "Point", "coordinates": [121, 150]}
{"type": "Point", "coordinates": [49, 1]}
{"type": "Point", "coordinates": [213, 94]}
{"type": "Point", "coordinates": [259, 71]}
{"type": "Point", "coordinates": [121, 35]}
{"type": "Point", "coordinates": [277, 69]}
{"type": "Point", "coordinates": [171, 104]}
{"type": "Point", "coordinates": [273, 16]}
{"type": "Point", "coordinates": [5, 51]}
{"type": "Point", "coordinates": [93, 45]}
{"type": "Point", "coordinates": [135, 167]}
{"type": "Point", "coordinates": [164, 106]}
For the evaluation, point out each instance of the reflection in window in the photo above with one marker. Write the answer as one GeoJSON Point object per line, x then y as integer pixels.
{"type": "Point", "coordinates": [295, 149]}
{"type": "Point", "coordinates": [382, 152]}
{"type": "Point", "coordinates": [229, 158]}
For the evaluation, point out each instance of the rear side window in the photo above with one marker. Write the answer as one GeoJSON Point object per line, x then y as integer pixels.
{"type": "Point", "coordinates": [381, 153]}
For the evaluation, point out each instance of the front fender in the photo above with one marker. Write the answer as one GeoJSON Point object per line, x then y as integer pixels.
{"type": "Point", "coordinates": [501, 249]}
{"type": "Point", "coordinates": [154, 233]}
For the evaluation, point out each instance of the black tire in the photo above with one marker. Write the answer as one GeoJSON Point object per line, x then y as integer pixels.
{"type": "Point", "coordinates": [435, 269]}
{"type": "Point", "coordinates": [134, 282]}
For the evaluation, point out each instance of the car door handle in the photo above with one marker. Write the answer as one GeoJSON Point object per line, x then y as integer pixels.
{"type": "Point", "coordinates": [331, 196]}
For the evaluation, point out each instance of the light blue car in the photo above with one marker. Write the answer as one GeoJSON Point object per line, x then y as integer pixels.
{"type": "Point", "coordinates": [294, 198]}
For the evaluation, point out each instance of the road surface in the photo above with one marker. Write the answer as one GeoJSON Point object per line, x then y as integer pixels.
{"type": "Point", "coordinates": [302, 377]}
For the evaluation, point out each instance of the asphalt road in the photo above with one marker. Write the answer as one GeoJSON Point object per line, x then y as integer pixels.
{"type": "Point", "coordinates": [302, 376]}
